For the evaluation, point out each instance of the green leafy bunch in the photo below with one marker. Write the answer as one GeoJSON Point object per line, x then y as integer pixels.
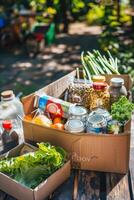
{"type": "Point", "coordinates": [33, 168]}
{"type": "Point", "coordinates": [122, 109]}
{"type": "Point", "coordinates": [94, 63]}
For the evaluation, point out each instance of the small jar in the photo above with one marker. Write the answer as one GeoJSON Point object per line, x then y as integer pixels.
{"type": "Point", "coordinates": [99, 96]}
{"type": "Point", "coordinates": [116, 89]}
{"type": "Point", "coordinates": [96, 124]}
{"type": "Point", "coordinates": [75, 126]}
{"type": "Point", "coordinates": [78, 112]}
{"type": "Point", "coordinates": [104, 112]}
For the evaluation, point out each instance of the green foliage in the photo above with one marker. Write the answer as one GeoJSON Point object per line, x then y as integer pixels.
{"type": "Point", "coordinates": [115, 39]}
{"type": "Point", "coordinates": [33, 168]}
{"type": "Point", "coordinates": [77, 5]}
{"type": "Point", "coordinates": [95, 14]}
{"type": "Point", "coordinates": [122, 110]}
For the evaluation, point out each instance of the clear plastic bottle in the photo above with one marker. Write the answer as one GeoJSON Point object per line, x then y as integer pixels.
{"type": "Point", "coordinates": [11, 109]}
{"type": "Point", "coordinates": [9, 137]}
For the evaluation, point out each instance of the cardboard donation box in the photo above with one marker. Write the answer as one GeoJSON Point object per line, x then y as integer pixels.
{"type": "Point", "coordinates": [43, 190]}
{"type": "Point", "coordinates": [102, 152]}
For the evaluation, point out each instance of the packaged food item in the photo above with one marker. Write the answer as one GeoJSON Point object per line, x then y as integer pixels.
{"type": "Point", "coordinates": [75, 126]}
{"type": "Point", "coordinates": [78, 112]}
{"type": "Point", "coordinates": [99, 96]}
{"type": "Point", "coordinates": [9, 137]}
{"type": "Point", "coordinates": [78, 91]}
{"type": "Point", "coordinates": [103, 112]}
{"type": "Point", "coordinates": [42, 120]}
{"type": "Point", "coordinates": [116, 89]}
{"type": "Point", "coordinates": [52, 105]}
{"type": "Point", "coordinates": [96, 124]}
{"type": "Point", "coordinates": [114, 127]}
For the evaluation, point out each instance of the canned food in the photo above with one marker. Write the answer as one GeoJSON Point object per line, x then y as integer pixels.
{"type": "Point", "coordinates": [75, 126]}
{"type": "Point", "coordinates": [103, 112]}
{"type": "Point", "coordinates": [78, 112]}
{"type": "Point", "coordinates": [96, 124]}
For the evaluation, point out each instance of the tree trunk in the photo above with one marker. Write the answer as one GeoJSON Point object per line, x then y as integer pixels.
{"type": "Point", "coordinates": [63, 4]}
{"type": "Point", "coordinates": [118, 10]}
{"type": "Point", "coordinates": [132, 6]}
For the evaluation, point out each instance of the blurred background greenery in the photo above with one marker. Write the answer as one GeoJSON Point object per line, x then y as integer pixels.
{"type": "Point", "coordinates": [115, 17]}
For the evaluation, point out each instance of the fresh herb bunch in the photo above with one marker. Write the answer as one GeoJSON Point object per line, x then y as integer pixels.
{"type": "Point", "coordinates": [33, 168]}
{"type": "Point", "coordinates": [96, 64]}
{"type": "Point", "coordinates": [122, 109]}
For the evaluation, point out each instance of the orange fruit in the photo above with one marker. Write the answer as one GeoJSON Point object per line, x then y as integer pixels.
{"type": "Point", "coordinates": [57, 120]}
{"type": "Point", "coordinates": [59, 126]}
{"type": "Point", "coordinates": [28, 117]}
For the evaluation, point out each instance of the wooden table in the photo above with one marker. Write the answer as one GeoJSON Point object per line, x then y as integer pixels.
{"type": "Point", "coordinates": [89, 185]}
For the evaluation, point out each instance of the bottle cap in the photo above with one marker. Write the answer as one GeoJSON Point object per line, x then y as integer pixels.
{"type": "Point", "coordinates": [7, 94]}
{"type": "Point", "coordinates": [7, 124]}
{"type": "Point", "coordinates": [99, 86]}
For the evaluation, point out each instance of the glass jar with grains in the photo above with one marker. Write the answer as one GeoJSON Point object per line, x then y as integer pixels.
{"type": "Point", "coordinates": [99, 96]}
{"type": "Point", "coordinates": [77, 92]}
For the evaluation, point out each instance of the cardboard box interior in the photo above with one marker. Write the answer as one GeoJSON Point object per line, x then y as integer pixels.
{"type": "Point", "coordinates": [44, 189]}
{"type": "Point", "coordinates": [95, 152]}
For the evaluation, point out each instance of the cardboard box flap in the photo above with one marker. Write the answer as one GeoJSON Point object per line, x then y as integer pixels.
{"type": "Point", "coordinates": [54, 89]}
{"type": "Point", "coordinates": [14, 188]}
{"type": "Point", "coordinates": [50, 184]}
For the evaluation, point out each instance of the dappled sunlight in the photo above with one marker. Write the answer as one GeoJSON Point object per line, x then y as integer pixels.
{"type": "Point", "coordinates": [23, 65]}
{"type": "Point", "coordinates": [29, 74]}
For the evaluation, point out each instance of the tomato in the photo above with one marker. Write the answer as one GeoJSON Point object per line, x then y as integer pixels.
{"type": "Point", "coordinates": [57, 120]}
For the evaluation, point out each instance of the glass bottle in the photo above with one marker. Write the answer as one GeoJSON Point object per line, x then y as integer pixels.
{"type": "Point", "coordinates": [11, 108]}
{"type": "Point", "coordinates": [9, 137]}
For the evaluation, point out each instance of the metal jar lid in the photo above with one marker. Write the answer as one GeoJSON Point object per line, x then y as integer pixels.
{"type": "Point", "coordinates": [98, 78]}
{"type": "Point", "coordinates": [74, 126]}
{"type": "Point", "coordinates": [117, 82]}
{"type": "Point", "coordinates": [77, 110]}
{"type": "Point", "coordinates": [96, 119]}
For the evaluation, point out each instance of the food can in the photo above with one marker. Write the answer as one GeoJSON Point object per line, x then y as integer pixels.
{"type": "Point", "coordinates": [75, 126]}
{"type": "Point", "coordinates": [78, 112]}
{"type": "Point", "coordinates": [96, 124]}
{"type": "Point", "coordinates": [103, 112]}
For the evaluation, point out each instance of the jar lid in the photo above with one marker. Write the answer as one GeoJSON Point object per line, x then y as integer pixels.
{"type": "Point", "coordinates": [97, 78]}
{"type": "Point", "coordinates": [7, 124]}
{"type": "Point", "coordinates": [74, 125]}
{"type": "Point", "coordinates": [99, 86]}
{"type": "Point", "coordinates": [117, 82]}
{"type": "Point", "coordinates": [96, 118]}
{"type": "Point", "coordinates": [7, 94]}
{"type": "Point", "coordinates": [77, 110]}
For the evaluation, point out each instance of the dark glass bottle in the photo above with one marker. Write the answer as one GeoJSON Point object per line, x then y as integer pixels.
{"type": "Point", "coordinates": [9, 137]}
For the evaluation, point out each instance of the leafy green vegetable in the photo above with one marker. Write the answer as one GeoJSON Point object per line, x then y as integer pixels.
{"type": "Point", "coordinates": [32, 168]}
{"type": "Point", "coordinates": [122, 109]}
